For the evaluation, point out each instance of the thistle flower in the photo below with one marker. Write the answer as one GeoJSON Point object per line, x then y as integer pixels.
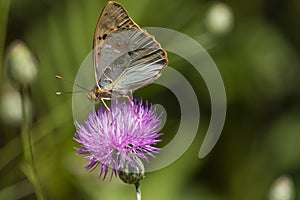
{"type": "Point", "coordinates": [119, 139]}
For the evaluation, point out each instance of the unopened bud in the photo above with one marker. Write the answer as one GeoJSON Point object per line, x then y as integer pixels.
{"type": "Point", "coordinates": [282, 189]}
{"type": "Point", "coordinates": [219, 19]}
{"type": "Point", "coordinates": [21, 63]}
{"type": "Point", "coordinates": [11, 107]}
{"type": "Point", "coordinates": [132, 172]}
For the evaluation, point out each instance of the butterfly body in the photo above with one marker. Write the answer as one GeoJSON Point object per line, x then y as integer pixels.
{"type": "Point", "coordinates": [126, 57]}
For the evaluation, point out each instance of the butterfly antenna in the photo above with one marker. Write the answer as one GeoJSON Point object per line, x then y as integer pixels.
{"type": "Point", "coordinates": [61, 93]}
{"type": "Point", "coordinates": [61, 78]}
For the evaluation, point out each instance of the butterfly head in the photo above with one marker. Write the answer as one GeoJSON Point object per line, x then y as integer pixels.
{"type": "Point", "coordinates": [96, 94]}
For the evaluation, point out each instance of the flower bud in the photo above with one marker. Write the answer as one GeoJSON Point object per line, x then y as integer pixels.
{"type": "Point", "coordinates": [11, 107]}
{"type": "Point", "coordinates": [132, 172]}
{"type": "Point", "coordinates": [21, 63]}
{"type": "Point", "coordinates": [219, 19]}
{"type": "Point", "coordinates": [282, 189]}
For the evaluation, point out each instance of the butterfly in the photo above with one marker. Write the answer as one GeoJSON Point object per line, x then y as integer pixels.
{"type": "Point", "coordinates": [126, 57]}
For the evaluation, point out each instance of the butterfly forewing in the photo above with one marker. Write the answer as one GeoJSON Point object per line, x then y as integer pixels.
{"type": "Point", "coordinates": [113, 17]}
{"type": "Point", "coordinates": [125, 56]}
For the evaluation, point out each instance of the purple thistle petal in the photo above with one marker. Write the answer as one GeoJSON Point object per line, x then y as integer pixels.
{"type": "Point", "coordinates": [128, 135]}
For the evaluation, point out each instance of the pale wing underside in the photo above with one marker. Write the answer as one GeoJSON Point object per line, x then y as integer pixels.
{"type": "Point", "coordinates": [130, 59]}
{"type": "Point", "coordinates": [113, 17]}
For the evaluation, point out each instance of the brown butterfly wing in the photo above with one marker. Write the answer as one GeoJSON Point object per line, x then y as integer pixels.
{"type": "Point", "coordinates": [132, 59]}
{"type": "Point", "coordinates": [113, 17]}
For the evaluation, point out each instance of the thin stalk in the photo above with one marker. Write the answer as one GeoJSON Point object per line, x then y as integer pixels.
{"type": "Point", "coordinates": [4, 10]}
{"type": "Point", "coordinates": [29, 164]}
{"type": "Point", "coordinates": [138, 191]}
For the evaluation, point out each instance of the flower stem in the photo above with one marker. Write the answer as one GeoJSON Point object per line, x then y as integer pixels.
{"type": "Point", "coordinates": [4, 9]}
{"type": "Point", "coordinates": [29, 167]}
{"type": "Point", "coordinates": [138, 191]}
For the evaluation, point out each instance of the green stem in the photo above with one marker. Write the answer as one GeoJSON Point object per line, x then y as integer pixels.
{"type": "Point", "coordinates": [4, 10]}
{"type": "Point", "coordinates": [29, 164]}
{"type": "Point", "coordinates": [138, 191]}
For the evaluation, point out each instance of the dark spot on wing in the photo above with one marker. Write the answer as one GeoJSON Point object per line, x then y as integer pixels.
{"type": "Point", "coordinates": [104, 36]}
{"type": "Point", "coordinates": [99, 38]}
{"type": "Point", "coordinates": [117, 5]}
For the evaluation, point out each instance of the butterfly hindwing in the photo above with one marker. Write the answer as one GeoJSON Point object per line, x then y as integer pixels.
{"type": "Point", "coordinates": [133, 59]}
{"type": "Point", "coordinates": [146, 60]}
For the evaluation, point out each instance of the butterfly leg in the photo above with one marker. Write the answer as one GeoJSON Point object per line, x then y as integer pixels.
{"type": "Point", "coordinates": [105, 105]}
{"type": "Point", "coordinates": [132, 105]}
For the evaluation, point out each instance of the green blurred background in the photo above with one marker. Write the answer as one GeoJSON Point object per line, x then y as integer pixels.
{"type": "Point", "coordinates": [256, 49]}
